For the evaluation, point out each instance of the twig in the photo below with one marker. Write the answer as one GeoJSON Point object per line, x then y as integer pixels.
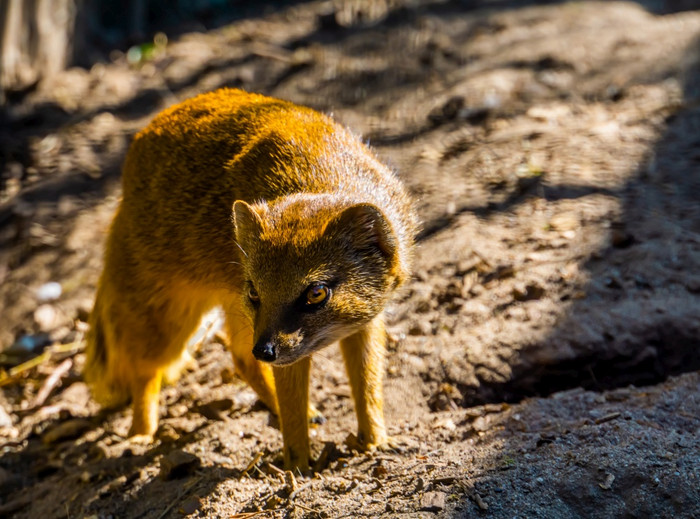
{"type": "Point", "coordinates": [308, 509]}
{"type": "Point", "coordinates": [298, 491]}
{"type": "Point", "coordinates": [13, 373]}
{"type": "Point", "coordinates": [252, 464]}
{"type": "Point", "coordinates": [246, 515]}
{"type": "Point", "coordinates": [51, 382]}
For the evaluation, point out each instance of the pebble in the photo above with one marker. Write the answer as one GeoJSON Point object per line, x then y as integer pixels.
{"type": "Point", "coordinates": [49, 291]}
{"type": "Point", "coordinates": [5, 418]}
{"type": "Point", "coordinates": [422, 327]}
{"type": "Point", "coordinates": [607, 484]}
{"type": "Point", "coordinates": [432, 502]}
{"type": "Point", "coordinates": [529, 292]}
{"type": "Point", "coordinates": [191, 505]}
{"type": "Point", "coordinates": [46, 317]}
{"type": "Point", "coordinates": [177, 464]}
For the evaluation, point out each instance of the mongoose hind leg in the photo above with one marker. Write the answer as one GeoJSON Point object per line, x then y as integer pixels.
{"type": "Point", "coordinates": [363, 353]}
{"type": "Point", "coordinates": [145, 396]}
{"type": "Point", "coordinates": [148, 327]}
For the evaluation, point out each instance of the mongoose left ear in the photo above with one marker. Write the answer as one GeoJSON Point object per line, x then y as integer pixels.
{"type": "Point", "coordinates": [367, 228]}
{"type": "Point", "coordinates": [246, 222]}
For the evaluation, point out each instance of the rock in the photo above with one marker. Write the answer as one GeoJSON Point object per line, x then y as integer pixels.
{"type": "Point", "coordinates": [324, 458]}
{"type": "Point", "coordinates": [5, 418]}
{"type": "Point", "coordinates": [46, 317]}
{"type": "Point", "coordinates": [607, 483]}
{"type": "Point", "coordinates": [177, 464]}
{"type": "Point", "coordinates": [529, 292]}
{"type": "Point", "coordinates": [29, 344]}
{"type": "Point", "coordinates": [421, 327]}
{"type": "Point", "coordinates": [564, 222]}
{"type": "Point", "coordinates": [432, 502]}
{"type": "Point", "coordinates": [380, 470]}
{"type": "Point", "coordinates": [447, 111]}
{"type": "Point", "coordinates": [191, 505]}
{"type": "Point", "coordinates": [167, 433]}
{"type": "Point", "coordinates": [49, 291]}
{"type": "Point", "coordinates": [445, 398]}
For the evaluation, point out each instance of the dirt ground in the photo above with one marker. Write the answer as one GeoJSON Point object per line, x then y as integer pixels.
{"type": "Point", "coordinates": [544, 361]}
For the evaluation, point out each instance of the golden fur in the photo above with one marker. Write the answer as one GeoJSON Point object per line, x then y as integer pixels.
{"type": "Point", "coordinates": [231, 195]}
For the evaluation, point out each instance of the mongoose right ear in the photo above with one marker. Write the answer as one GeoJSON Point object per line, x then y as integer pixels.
{"type": "Point", "coordinates": [246, 222]}
{"type": "Point", "coordinates": [367, 227]}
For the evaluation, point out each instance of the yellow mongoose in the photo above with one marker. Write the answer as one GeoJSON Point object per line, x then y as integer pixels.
{"type": "Point", "coordinates": [277, 214]}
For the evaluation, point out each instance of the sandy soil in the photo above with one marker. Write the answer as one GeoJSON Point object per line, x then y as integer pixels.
{"type": "Point", "coordinates": [544, 360]}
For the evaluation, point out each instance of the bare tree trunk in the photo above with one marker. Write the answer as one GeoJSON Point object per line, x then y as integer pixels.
{"type": "Point", "coordinates": [35, 40]}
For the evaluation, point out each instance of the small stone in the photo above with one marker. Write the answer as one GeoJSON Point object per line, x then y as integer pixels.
{"type": "Point", "coordinates": [422, 327]}
{"type": "Point", "coordinates": [530, 292]}
{"type": "Point", "coordinates": [5, 418]}
{"type": "Point", "coordinates": [290, 481]}
{"type": "Point", "coordinates": [380, 470]}
{"type": "Point", "coordinates": [46, 317]}
{"type": "Point", "coordinates": [178, 410]}
{"type": "Point", "coordinates": [273, 502]}
{"type": "Point", "coordinates": [177, 464]}
{"type": "Point", "coordinates": [324, 458]}
{"type": "Point", "coordinates": [432, 502]}
{"type": "Point", "coordinates": [49, 291]}
{"type": "Point", "coordinates": [448, 111]}
{"type": "Point", "coordinates": [445, 480]}
{"type": "Point", "coordinates": [607, 484]}
{"type": "Point", "coordinates": [445, 398]}
{"type": "Point", "coordinates": [692, 285]}
{"type": "Point", "coordinates": [29, 344]}
{"type": "Point", "coordinates": [564, 222]}
{"type": "Point", "coordinates": [483, 505]}
{"type": "Point", "coordinates": [191, 505]}
{"type": "Point", "coordinates": [613, 281]}
{"type": "Point", "coordinates": [228, 375]}
{"type": "Point", "coordinates": [167, 433]}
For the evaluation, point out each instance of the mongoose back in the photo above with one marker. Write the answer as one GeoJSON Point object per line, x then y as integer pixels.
{"type": "Point", "coordinates": [275, 213]}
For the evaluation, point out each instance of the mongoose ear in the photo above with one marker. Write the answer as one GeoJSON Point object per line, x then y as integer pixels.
{"type": "Point", "coordinates": [367, 228]}
{"type": "Point", "coordinates": [246, 222]}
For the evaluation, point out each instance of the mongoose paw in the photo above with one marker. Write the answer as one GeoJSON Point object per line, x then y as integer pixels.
{"type": "Point", "coordinates": [382, 444]}
{"type": "Point", "coordinates": [315, 417]}
{"type": "Point", "coordinates": [141, 439]}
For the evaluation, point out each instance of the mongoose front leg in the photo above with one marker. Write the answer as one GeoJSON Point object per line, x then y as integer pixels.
{"type": "Point", "coordinates": [145, 393]}
{"type": "Point", "coordinates": [257, 374]}
{"type": "Point", "coordinates": [363, 353]}
{"type": "Point", "coordinates": [292, 384]}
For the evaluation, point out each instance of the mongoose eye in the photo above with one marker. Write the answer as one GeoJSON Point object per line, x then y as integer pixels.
{"type": "Point", "coordinates": [317, 294]}
{"type": "Point", "coordinates": [253, 295]}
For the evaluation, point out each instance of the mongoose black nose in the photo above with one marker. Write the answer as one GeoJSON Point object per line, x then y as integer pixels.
{"type": "Point", "coordinates": [265, 351]}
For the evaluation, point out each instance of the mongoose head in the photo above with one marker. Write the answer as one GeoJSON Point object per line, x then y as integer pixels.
{"type": "Point", "coordinates": [316, 267]}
